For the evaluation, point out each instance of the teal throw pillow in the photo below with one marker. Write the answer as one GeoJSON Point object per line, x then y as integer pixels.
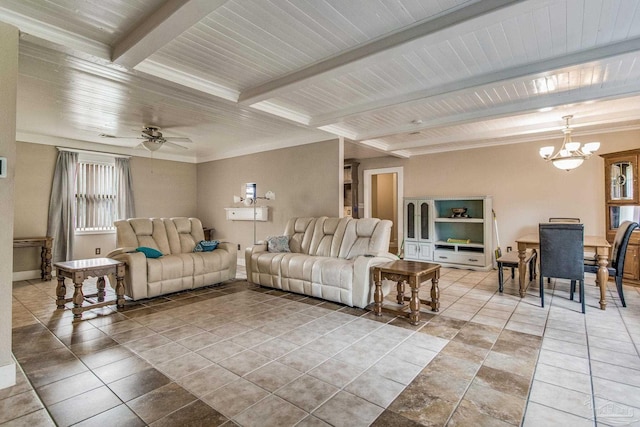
{"type": "Point", "coordinates": [278, 244]}
{"type": "Point", "coordinates": [206, 246]}
{"type": "Point", "coordinates": [149, 252]}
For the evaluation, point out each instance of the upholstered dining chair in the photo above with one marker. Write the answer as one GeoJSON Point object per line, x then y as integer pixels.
{"type": "Point", "coordinates": [564, 219]}
{"type": "Point", "coordinates": [618, 253]}
{"type": "Point", "coordinates": [562, 255]}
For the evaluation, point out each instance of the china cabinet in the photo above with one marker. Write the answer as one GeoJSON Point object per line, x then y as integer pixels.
{"type": "Point", "coordinates": [622, 204]}
{"type": "Point", "coordinates": [452, 231]}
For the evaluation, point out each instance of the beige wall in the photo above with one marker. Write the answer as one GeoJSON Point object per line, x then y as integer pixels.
{"type": "Point", "coordinates": [526, 190]}
{"type": "Point", "coordinates": [161, 189]}
{"type": "Point", "coordinates": [304, 178]}
{"type": "Point", "coordinates": [164, 188]}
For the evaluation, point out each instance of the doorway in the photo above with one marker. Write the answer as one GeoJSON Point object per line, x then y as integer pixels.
{"type": "Point", "coordinates": [383, 196]}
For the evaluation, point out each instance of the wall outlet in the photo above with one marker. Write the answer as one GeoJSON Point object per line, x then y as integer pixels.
{"type": "Point", "coordinates": [238, 246]}
{"type": "Point", "coordinates": [97, 251]}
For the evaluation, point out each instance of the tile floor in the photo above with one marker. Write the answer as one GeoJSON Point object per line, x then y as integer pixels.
{"type": "Point", "coordinates": [237, 354]}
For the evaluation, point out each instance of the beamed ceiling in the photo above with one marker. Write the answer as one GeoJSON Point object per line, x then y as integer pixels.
{"type": "Point", "coordinates": [395, 77]}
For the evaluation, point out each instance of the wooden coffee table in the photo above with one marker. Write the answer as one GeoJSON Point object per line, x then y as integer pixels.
{"type": "Point", "coordinates": [402, 272]}
{"type": "Point", "coordinates": [80, 270]}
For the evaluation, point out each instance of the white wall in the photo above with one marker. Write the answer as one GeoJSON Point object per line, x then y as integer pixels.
{"type": "Point", "coordinates": [8, 87]}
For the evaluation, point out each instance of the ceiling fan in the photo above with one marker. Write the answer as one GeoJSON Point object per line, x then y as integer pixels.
{"type": "Point", "coordinates": [152, 139]}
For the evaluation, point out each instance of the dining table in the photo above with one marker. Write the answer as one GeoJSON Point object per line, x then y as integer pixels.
{"type": "Point", "coordinates": [597, 244]}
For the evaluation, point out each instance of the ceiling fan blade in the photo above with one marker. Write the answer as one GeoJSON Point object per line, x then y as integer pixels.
{"type": "Point", "coordinates": [104, 135]}
{"type": "Point", "coordinates": [171, 144]}
{"type": "Point", "coordinates": [176, 139]}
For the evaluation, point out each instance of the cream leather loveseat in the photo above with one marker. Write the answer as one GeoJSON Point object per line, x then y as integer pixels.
{"type": "Point", "coordinates": [329, 258]}
{"type": "Point", "coordinates": [179, 268]}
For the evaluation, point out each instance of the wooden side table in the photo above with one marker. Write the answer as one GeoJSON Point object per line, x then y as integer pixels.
{"type": "Point", "coordinates": [80, 270]}
{"type": "Point", "coordinates": [402, 272]}
{"type": "Point", "coordinates": [46, 243]}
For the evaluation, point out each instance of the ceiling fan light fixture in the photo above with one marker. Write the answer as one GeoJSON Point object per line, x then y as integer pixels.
{"type": "Point", "coordinates": [151, 145]}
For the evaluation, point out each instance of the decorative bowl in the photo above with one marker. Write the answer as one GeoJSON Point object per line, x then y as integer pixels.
{"type": "Point", "coordinates": [459, 211]}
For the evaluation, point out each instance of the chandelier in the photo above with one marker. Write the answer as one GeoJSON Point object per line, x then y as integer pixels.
{"type": "Point", "coordinates": [570, 155]}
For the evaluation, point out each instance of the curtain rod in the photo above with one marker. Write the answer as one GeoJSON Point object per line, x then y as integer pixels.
{"type": "Point", "coordinates": [74, 150]}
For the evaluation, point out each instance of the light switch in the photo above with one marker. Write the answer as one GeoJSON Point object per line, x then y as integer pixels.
{"type": "Point", "coordinates": [3, 167]}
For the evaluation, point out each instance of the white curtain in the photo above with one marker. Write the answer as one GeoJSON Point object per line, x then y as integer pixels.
{"type": "Point", "coordinates": [126, 206]}
{"type": "Point", "coordinates": [62, 204]}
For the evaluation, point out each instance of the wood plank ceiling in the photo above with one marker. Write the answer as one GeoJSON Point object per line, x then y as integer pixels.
{"type": "Point", "coordinates": [402, 77]}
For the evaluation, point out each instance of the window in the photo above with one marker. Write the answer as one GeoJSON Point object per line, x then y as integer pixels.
{"type": "Point", "coordinates": [96, 196]}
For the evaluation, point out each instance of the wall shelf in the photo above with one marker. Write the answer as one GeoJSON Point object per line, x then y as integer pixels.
{"type": "Point", "coordinates": [246, 214]}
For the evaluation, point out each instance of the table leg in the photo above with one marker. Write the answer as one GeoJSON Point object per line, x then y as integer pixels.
{"type": "Point", "coordinates": [602, 278]}
{"type": "Point", "coordinates": [78, 298]}
{"type": "Point", "coordinates": [61, 291]}
{"type": "Point", "coordinates": [46, 260]}
{"type": "Point", "coordinates": [522, 269]}
{"type": "Point", "coordinates": [400, 287]}
{"type": "Point", "coordinates": [100, 286]}
{"type": "Point", "coordinates": [377, 294]}
{"type": "Point", "coordinates": [414, 302]}
{"type": "Point", "coordinates": [120, 286]}
{"type": "Point", "coordinates": [435, 292]}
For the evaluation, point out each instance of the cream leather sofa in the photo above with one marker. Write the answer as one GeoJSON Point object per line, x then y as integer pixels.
{"type": "Point", "coordinates": [329, 258]}
{"type": "Point", "coordinates": [179, 268]}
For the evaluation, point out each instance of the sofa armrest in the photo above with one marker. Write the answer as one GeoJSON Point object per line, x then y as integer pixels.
{"type": "Point", "coordinates": [135, 276]}
{"type": "Point", "coordinates": [123, 250]}
{"type": "Point", "coordinates": [248, 253]}
{"type": "Point", "coordinates": [363, 286]}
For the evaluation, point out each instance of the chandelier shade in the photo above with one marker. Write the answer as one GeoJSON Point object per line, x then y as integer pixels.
{"type": "Point", "coordinates": [571, 154]}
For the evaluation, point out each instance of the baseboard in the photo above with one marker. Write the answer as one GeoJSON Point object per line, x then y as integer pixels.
{"type": "Point", "coordinates": [26, 275]}
{"type": "Point", "coordinates": [7, 375]}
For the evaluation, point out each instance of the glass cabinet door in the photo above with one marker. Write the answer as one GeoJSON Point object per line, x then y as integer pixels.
{"type": "Point", "coordinates": [621, 175]}
{"type": "Point", "coordinates": [410, 212]}
{"type": "Point", "coordinates": [424, 221]}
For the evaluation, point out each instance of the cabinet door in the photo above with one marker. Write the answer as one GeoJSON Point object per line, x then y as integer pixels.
{"type": "Point", "coordinates": [410, 220]}
{"type": "Point", "coordinates": [621, 175]}
{"type": "Point", "coordinates": [426, 253]}
{"type": "Point", "coordinates": [632, 263]}
{"type": "Point", "coordinates": [411, 251]}
{"type": "Point", "coordinates": [423, 229]}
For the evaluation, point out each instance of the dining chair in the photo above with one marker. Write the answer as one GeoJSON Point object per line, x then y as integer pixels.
{"type": "Point", "coordinates": [561, 219]}
{"type": "Point", "coordinates": [510, 260]}
{"type": "Point", "coordinates": [618, 253]}
{"type": "Point", "coordinates": [562, 255]}
{"type": "Point", "coordinates": [571, 220]}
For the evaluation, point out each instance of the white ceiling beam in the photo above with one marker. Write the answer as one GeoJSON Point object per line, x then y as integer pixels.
{"type": "Point", "coordinates": [514, 108]}
{"type": "Point", "coordinates": [43, 34]}
{"type": "Point", "coordinates": [336, 64]}
{"type": "Point", "coordinates": [154, 31]}
{"type": "Point", "coordinates": [529, 69]}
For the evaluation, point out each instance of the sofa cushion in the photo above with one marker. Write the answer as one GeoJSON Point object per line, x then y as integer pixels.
{"type": "Point", "coordinates": [300, 232]}
{"type": "Point", "coordinates": [327, 236]}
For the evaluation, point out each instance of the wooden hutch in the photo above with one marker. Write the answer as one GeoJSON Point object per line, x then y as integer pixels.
{"type": "Point", "coordinates": [623, 203]}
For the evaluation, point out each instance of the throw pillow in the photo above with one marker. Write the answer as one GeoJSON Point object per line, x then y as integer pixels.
{"type": "Point", "coordinates": [278, 244]}
{"type": "Point", "coordinates": [206, 246]}
{"type": "Point", "coordinates": [149, 252]}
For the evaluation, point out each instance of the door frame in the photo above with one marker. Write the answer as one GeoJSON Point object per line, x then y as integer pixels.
{"type": "Point", "coordinates": [367, 177]}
